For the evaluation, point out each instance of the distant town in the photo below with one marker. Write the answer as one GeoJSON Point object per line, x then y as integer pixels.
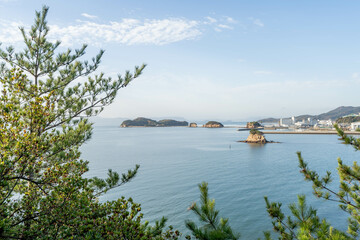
{"type": "Point", "coordinates": [350, 121]}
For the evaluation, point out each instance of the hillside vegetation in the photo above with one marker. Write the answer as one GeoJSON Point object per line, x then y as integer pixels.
{"type": "Point", "coordinates": [146, 122]}
{"type": "Point", "coordinates": [333, 114]}
{"type": "Point", "coordinates": [348, 119]}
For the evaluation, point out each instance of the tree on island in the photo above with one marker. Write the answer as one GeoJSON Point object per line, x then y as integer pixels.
{"type": "Point", "coordinates": [253, 125]}
{"type": "Point", "coordinates": [44, 105]}
{"type": "Point", "coordinates": [255, 131]}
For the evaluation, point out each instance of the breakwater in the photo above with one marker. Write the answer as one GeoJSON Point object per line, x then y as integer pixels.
{"type": "Point", "coordinates": [310, 132]}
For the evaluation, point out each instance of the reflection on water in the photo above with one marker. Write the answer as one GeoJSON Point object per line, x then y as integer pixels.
{"type": "Point", "coordinates": [255, 145]}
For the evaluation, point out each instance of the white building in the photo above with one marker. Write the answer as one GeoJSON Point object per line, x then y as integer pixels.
{"type": "Point", "coordinates": [354, 126]}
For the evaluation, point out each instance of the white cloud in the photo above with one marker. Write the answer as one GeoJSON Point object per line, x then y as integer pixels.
{"type": "Point", "coordinates": [9, 31]}
{"type": "Point", "coordinates": [127, 31]}
{"type": "Point", "coordinates": [355, 75]}
{"type": "Point", "coordinates": [230, 20]}
{"type": "Point", "coordinates": [89, 16]}
{"type": "Point", "coordinates": [211, 20]}
{"type": "Point", "coordinates": [224, 26]}
{"type": "Point", "coordinates": [220, 24]}
{"type": "Point", "coordinates": [258, 22]}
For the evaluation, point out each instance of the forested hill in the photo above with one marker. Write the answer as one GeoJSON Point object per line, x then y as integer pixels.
{"type": "Point", "coordinates": [333, 114]}
{"type": "Point", "coordinates": [147, 122]}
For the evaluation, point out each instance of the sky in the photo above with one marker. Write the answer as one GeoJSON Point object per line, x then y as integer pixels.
{"type": "Point", "coordinates": [211, 59]}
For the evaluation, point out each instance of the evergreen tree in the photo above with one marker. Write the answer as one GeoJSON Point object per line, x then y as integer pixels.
{"type": "Point", "coordinates": [46, 98]}
{"type": "Point", "coordinates": [214, 228]}
{"type": "Point", "coordinates": [307, 224]}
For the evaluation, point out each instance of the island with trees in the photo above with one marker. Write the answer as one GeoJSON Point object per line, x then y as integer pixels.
{"type": "Point", "coordinates": [256, 136]}
{"type": "Point", "coordinates": [213, 124]}
{"type": "Point", "coordinates": [193, 125]}
{"type": "Point", "coordinates": [147, 122]}
{"type": "Point", "coordinates": [253, 125]}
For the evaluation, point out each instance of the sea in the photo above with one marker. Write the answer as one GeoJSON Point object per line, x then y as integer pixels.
{"type": "Point", "coordinates": [175, 160]}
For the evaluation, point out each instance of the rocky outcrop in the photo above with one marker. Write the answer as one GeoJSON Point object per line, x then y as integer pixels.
{"type": "Point", "coordinates": [256, 138]}
{"type": "Point", "coordinates": [146, 122]}
{"type": "Point", "coordinates": [253, 125]}
{"type": "Point", "coordinates": [194, 125]}
{"type": "Point", "coordinates": [213, 124]}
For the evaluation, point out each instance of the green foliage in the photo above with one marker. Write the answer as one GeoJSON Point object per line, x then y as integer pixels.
{"type": "Point", "coordinates": [253, 125]}
{"type": "Point", "coordinates": [348, 119]}
{"type": "Point", "coordinates": [214, 123]}
{"type": "Point", "coordinates": [255, 131]}
{"type": "Point", "coordinates": [146, 122]}
{"type": "Point", "coordinates": [44, 105]}
{"type": "Point", "coordinates": [214, 228]}
{"type": "Point", "coordinates": [306, 224]}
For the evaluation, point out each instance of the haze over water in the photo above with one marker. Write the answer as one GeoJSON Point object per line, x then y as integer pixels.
{"type": "Point", "coordinates": [175, 160]}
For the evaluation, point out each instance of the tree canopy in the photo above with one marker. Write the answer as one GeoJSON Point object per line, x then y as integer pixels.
{"type": "Point", "coordinates": [45, 101]}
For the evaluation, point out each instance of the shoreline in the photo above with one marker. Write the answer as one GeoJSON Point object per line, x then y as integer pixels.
{"type": "Point", "coordinates": [329, 132]}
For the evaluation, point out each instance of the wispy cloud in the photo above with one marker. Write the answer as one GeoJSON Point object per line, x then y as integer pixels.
{"type": "Point", "coordinates": [210, 20]}
{"type": "Point", "coordinates": [220, 24]}
{"type": "Point", "coordinates": [9, 31]}
{"type": "Point", "coordinates": [258, 22]}
{"type": "Point", "coordinates": [224, 26]}
{"type": "Point", "coordinates": [89, 16]}
{"type": "Point", "coordinates": [355, 75]}
{"type": "Point", "coordinates": [231, 20]}
{"type": "Point", "coordinates": [127, 31]}
{"type": "Point", "coordinates": [220, 27]}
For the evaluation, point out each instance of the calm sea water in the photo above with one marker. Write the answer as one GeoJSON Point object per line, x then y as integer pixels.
{"type": "Point", "coordinates": [175, 160]}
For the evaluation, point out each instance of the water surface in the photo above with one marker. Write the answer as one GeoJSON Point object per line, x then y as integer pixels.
{"type": "Point", "coordinates": [175, 160]}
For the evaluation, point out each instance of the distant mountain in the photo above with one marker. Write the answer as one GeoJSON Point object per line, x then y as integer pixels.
{"type": "Point", "coordinates": [333, 114]}
{"type": "Point", "coordinates": [339, 112]}
{"type": "Point", "coordinates": [269, 120]}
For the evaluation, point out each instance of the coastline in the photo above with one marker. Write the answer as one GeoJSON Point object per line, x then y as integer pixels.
{"type": "Point", "coordinates": [329, 132]}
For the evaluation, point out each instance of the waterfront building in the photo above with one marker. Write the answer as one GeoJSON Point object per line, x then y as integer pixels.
{"type": "Point", "coordinates": [354, 126]}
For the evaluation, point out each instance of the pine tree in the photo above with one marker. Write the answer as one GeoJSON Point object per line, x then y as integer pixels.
{"type": "Point", "coordinates": [307, 224]}
{"type": "Point", "coordinates": [46, 99]}
{"type": "Point", "coordinates": [214, 228]}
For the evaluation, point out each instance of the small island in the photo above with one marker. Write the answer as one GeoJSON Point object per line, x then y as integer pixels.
{"type": "Point", "coordinates": [253, 125]}
{"type": "Point", "coordinates": [193, 125]}
{"type": "Point", "coordinates": [147, 122]}
{"type": "Point", "coordinates": [256, 136]}
{"type": "Point", "coordinates": [213, 124]}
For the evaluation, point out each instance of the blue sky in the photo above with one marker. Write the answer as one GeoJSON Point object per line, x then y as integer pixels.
{"type": "Point", "coordinates": [230, 60]}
